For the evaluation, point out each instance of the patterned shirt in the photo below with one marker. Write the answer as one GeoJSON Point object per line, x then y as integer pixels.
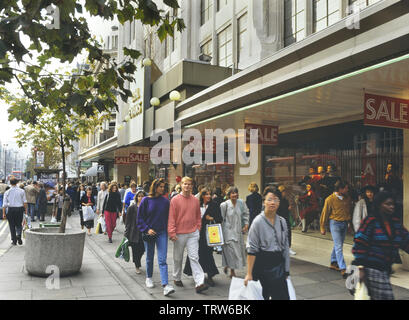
{"type": "Point", "coordinates": [374, 248]}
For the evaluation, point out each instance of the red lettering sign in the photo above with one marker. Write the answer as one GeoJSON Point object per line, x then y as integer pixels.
{"type": "Point", "coordinates": [121, 160]}
{"type": "Point", "coordinates": [138, 158]}
{"type": "Point", "coordinates": [386, 112]}
{"type": "Point", "coordinates": [266, 134]}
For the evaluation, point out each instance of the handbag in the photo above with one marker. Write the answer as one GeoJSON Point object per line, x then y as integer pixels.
{"type": "Point", "coordinates": [88, 213]}
{"type": "Point", "coordinates": [148, 237]}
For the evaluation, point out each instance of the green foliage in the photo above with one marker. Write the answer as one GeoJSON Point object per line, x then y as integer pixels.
{"type": "Point", "coordinates": [27, 18]}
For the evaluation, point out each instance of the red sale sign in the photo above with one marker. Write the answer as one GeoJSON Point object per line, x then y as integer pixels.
{"type": "Point", "coordinates": [386, 112]}
{"type": "Point", "coordinates": [266, 134]}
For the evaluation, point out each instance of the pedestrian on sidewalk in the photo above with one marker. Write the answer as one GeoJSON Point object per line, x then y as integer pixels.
{"type": "Point", "coordinates": [377, 244]}
{"type": "Point", "coordinates": [16, 204]}
{"type": "Point", "coordinates": [31, 196]}
{"type": "Point", "coordinates": [129, 196]}
{"type": "Point", "coordinates": [284, 211]}
{"type": "Point", "coordinates": [132, 233]}
{"type": "Point", "coordinates": [235, 223]}
{"type": "Point", "coordinates": [60, 201]}
{"type": "Point", "coordinates": [153, 214]}
{"type": "Point", "coordinates": [268, 258]}
{"type": "Point", "coordinates": [253, 201]}
{"type": "Point", "coordinates": [88, 200]}
{"type": "Point", "coordinates": [101, 197]}
{"type": "Point", "coordinates": [210, 213]}
{"type": "Point", "coordinates": [338, 209]}
{"type": "Point", "coordinates": [363, 207]}
{"type": "Point", "coordinates": [42, 202]}
{"type": "Point", "coordinates": [3, 188]}
{"type": "Point", "coordinates": [111, 206]}
{"type": "Point", "coordinates": [184, 226]}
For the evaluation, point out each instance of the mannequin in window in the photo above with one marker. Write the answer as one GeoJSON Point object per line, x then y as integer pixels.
{"type": "Point", "coordinates": [328, 182]}
{"type": "Point", "coordinates": [392, 183]}
{"type": "Point", "coordinates": [308, 178]}
{"type": "Point", "coordinates": [310, 204]}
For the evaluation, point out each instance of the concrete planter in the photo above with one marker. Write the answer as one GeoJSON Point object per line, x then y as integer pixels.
{"type": "Point", "coordinates": [46, 247]}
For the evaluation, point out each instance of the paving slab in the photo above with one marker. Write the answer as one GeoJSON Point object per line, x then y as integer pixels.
{"type": "Point", "coordinates": [97, 291]}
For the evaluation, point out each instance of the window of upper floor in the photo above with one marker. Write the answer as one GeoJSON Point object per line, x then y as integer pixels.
{"type": "Point", "coordinates": [295, 21]}
{"type": "Point", "coordinates": [241, 37]}
{"type": "Point", "coordinates": [225, 47]}
{"type": "Point", "coordinates": [221, 4]}
{"type": "Point", "coordinates": [206, 11]}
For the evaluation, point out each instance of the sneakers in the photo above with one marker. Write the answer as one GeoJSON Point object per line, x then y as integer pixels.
{"type": "Point", "coordinates": [293, 253]}
{"type": "Point", "coordinates": [334, 266]}
{"type": "Point", "coordinates": [178, 283]}
{"type": "Point", "coordinates": [149, 283]}
{"type": "Point", "coordinates": [201, 288]}
{"type": "Point", "coordinates": [167, 290]}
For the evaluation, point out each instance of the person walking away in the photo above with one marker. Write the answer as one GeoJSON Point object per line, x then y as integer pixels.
{"type": "Point", "coordinates": [31, 196]}
{"type": "Point", "coordinates": [16, 204]}
{"type": "Point", "coordinates": [81, 193]}
{"type": "Point", "coordinates": [129, 196]}
{"type": "Point", "coordinates": [111, 206]}
{"type": "Point", "coordinates": [101, 197]}
{"type": "Point", "coordinates": [253, 201]}
{"type": "Point", "coordinates": [153, 214]}
{"type": "Point", "coordinates": [210, 213]}
{"type": "Point", "coordinates": [363, 207]}
{"type": "Point", "coordinates": [284, 211]}
{"type": "Point", "coordinates": [122, 191]}
{"type": "Point", "coordinates": [337, 209]}
{"type": "Point", "coordinates": [133, 234]}
{"type": "Point", "coordinates": [184, 226]}
{"type": "Point", "coordinates": [268, 258]}
{"type": "Point", "coordinates": [235, 215]}
{"type": "Point", "coordinates": [88, 200]}
{"type": "Point", "coordinates": [42, 203]}
{"type": "Point", "coordinates": [376, 245]}
{"type": "Point", "coordinates": [59, 203]}
{"type": "Point", "coordinates": [71, 193]}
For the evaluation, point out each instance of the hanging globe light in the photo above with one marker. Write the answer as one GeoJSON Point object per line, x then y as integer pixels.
{"type": "Point", "coordinates": [155, 101]}
{"type": "Point", "coordinates": [174, 95]}
{"type": "Point", "coordinates": [147, 62]}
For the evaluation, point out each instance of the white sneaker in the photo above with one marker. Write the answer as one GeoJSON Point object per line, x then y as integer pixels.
{"type": "Point", "coordinates": [293, 253]}
{"type": "Point", "coordinates": [149, 283]}
{"type": "Point", "coordinates": [167, 290]}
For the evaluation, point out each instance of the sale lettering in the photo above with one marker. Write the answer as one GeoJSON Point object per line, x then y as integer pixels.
{"type": "Point", "coordinates": [386, 111]}
{"type": "Point", "coordinates": [266, 134]}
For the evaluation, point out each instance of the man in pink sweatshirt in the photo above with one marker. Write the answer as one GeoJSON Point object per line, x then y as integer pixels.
{"type": "Point", "coordinates": [183, 228]}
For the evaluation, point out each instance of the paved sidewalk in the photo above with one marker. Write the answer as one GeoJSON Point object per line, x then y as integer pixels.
{"type": "Point", "coordinates": [103, 276]}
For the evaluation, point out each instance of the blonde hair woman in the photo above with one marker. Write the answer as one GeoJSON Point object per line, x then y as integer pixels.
{"type": "Point", "coordinates": [253, 201]}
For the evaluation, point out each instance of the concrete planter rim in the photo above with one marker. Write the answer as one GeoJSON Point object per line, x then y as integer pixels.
{"type": "Point", "coordinates": [38, 231]}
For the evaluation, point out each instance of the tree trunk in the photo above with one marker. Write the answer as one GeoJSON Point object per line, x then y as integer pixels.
{"type": "Point", "coordinates": [64, 214]}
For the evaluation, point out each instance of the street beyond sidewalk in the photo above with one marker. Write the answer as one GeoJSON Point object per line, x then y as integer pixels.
{"type": "Point", "coordinates": [103, 276]}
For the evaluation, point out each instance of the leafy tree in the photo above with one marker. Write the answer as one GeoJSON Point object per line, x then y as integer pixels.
{"type": "Point", "coordinates": [59, 107]}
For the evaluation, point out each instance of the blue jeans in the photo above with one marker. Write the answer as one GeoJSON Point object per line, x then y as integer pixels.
{"type": "Point", "coordinates": [162, 246]}
{"type": "Point", "coordinates": [338, 231]}
{"type": "Point", "coordinates": [31, 210]}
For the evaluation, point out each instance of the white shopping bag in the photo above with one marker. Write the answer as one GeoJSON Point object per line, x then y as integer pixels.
{"type": "Point", "coordinates": [238, 291]}
{"type": "Point", "coordinates": [87, 213]}
{"type": "Point", "coordinates": [361, 292]}
{"type": "Point", "coordinates": [291, 291]}
{"type": "Point", "coordinates": [101, 220]}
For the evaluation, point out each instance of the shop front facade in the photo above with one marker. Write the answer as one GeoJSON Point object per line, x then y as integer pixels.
{"type": "Point", "coordinates": [315, 92]}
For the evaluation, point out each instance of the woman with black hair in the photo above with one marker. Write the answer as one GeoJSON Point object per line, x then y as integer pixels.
{"type": "Point", "coordinates": [363, 207]}
{"type": "Point", "coordinates": [377, 244]}
{"type": "Point", "coordinates": [268, 258]}
{"type": "Point", "coordinates": [210, 215]}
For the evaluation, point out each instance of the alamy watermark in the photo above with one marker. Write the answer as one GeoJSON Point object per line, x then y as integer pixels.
{"type": "Point", "coordinates": [53, 280]}
{"type": "Point", "coordinates": [54, 12]}
{"type": "Point", "coordinates": [193, 152]}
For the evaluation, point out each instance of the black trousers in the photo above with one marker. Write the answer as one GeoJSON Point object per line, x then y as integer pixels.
{"type": "Point", "coordinates": [138, 249]}
{"type": "Point", "coordinates": [15, 218]}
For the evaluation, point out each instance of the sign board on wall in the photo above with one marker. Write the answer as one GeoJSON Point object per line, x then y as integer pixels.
{"type": "Point", "coordinates": [132, 158]}
{"type": "Point", "coordinates": [266, 134]}
{"type": "Point", "coordinates": [386, 111]}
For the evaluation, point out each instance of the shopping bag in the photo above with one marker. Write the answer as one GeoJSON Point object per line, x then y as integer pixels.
{"type": "Point", "coordinates": [87, 213]}
{"type": "Point", "coordinates": [214, 235]}
{"type": "Point", "coordinates": [123, 251]}
{"type": "Point", "coordinates": [291, 290]}
{"type": "Point", "coordinates": [101, 220]}
{"type": "Point", "coordinates": [361, 292]}
{"type": "Point", "coordinates": [98, 230]}
{"type": "Point", "coordinates": [238, 291]}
